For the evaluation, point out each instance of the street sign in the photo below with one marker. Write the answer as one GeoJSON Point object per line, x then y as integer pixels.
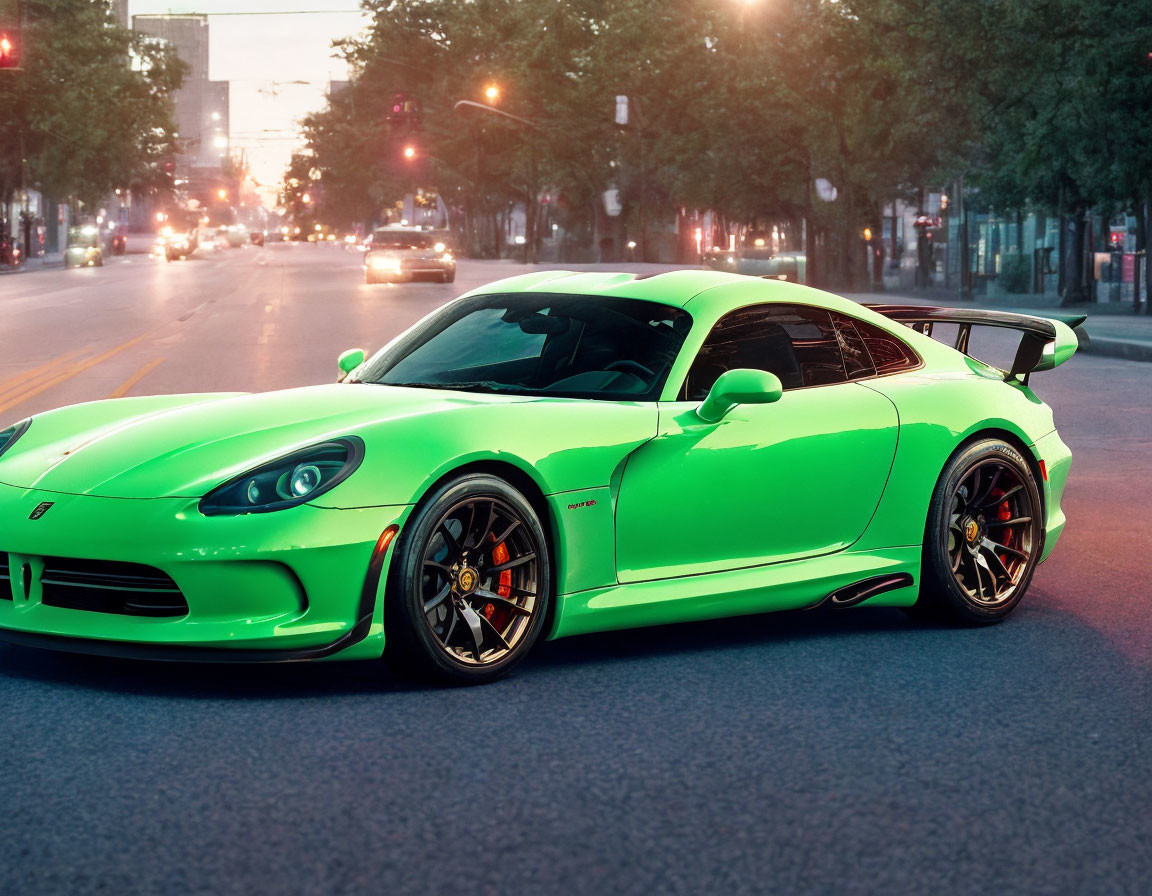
{"type": "Point", "coordinates": [621, 110]}
{"type": "Point", "coordinates": [825, 190]}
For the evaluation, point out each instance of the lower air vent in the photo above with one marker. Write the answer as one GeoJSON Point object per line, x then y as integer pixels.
{"type": "Point", "coordinates": [5, 578]}
{"type": "Point", "coordinates": [100, 586]}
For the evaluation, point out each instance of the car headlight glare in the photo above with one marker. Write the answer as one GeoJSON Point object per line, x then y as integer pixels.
{"type": "Point", "coordinates": [286, 481]}
{"type": "Point", "coordinates": [9, 436]}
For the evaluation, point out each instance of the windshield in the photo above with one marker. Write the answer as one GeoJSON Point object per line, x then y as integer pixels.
{"type": "Point", "coordinates": [384, 239]}
{"type": "Point", "coordinates": [557, 345]}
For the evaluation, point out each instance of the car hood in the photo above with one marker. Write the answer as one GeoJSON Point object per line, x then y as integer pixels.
{"type": "Point", "coordinates": [184, 446]}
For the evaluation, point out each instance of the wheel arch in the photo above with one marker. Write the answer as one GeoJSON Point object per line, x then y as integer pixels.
{"type": "Point", "coordinates": [526, 484]}
{"type": "Point", "coordinates": [995, 431]}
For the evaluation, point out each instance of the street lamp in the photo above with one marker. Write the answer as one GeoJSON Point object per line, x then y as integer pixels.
{"type": "Point", "coordinates": [222, 193]}
{"type": "Point", "coordinates": [409, 152]}
{"type": "Point", "coordinates": [492, 93]}
{"type": "Point", "coordinates": [306, 198]}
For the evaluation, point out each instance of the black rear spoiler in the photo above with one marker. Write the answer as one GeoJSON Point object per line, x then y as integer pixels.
{"type": "Point", "coordinates": [1037, 333]}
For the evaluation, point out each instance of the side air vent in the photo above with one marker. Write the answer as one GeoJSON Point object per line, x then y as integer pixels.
{"type": "Point", "coordinates": [5, 578]}
{"type": "Point", "coordinates": [860, 591]}
{"type": "Point", "coordinates": [100, 586]}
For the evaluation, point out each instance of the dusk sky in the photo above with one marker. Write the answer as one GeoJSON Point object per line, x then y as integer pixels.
{"type": "Point", "coordinates": [284, 41]}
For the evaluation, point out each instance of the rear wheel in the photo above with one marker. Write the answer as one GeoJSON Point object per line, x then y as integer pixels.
{"type": "Point", "coordinates": [470, 590]}
{"type": "Point", "coordinates": [983, 537]}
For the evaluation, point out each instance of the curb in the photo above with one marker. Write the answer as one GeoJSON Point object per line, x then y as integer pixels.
{"type": "Point", "coordinates": [1128, 350]}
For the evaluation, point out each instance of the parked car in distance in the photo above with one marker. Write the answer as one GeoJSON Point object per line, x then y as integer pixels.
{"type": "Point", "coordinates": [84, 248]}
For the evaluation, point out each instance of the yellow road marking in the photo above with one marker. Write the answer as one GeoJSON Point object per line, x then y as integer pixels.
{"type": "Point", "coordinates": [13, 382]}
{"type": "Point", "coordinates": [123, 388]}
{"type": "Point", "coordinates": [11, 400]}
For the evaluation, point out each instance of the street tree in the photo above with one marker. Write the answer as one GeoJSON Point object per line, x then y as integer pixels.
{"type": "Point", "coordinates": [91, 108]}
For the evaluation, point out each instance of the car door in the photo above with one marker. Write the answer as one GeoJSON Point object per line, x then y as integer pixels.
{"type": "Point", "coordinates": [795, 478]}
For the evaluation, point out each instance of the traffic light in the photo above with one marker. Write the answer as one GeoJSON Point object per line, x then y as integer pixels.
{"type": "Point", "coordinates": [396, 112]}
{"type": "Point", "coordinates": [9, 49]}
{"type": "Point", "coordinates": [405, 111]}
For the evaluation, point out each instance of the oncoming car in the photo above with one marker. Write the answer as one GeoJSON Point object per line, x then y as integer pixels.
{"type": "Point", "coordinates": [549, 455]}
{"type": "Point", "coordinates": [396, 254]}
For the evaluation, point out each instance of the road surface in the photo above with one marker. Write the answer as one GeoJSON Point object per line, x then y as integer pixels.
{"type": "Point", "coordinates": [849, 752]}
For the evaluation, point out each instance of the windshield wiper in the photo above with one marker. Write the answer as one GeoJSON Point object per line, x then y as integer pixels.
{"type": "Point", "coordinates": [475, 386]}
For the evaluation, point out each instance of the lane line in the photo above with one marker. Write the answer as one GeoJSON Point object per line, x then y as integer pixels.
{"type": "Point", "coordinates": [12, 382]}
{"type": "Point", "coordinates": [121, 390]}
{"type": "Point", "coordinates": [7, 402]}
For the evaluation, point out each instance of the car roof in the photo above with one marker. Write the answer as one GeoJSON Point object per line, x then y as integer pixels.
{"type": "Point", "coordinates": [703, 293]}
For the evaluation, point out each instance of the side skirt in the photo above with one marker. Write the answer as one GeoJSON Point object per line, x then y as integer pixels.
{"type": "Point", "coordinates": [794, 585]}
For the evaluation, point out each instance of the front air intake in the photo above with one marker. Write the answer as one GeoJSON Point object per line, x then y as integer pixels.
{"type": "Point", "coordinates": [5, 578]}
{"type": "Point", "coordinates": [102, 586]}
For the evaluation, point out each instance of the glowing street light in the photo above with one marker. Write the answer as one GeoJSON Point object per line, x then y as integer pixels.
{"type": "Point", "coordinates": [409, 152]}
{"type": "Point", "coordinates": [222, 193]}
{"type": "Point", "coordinates": [306, 198]}
{"type": "Point", "coordinates": [492, 93]}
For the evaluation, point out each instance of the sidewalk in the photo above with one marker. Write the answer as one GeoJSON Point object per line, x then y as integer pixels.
{"type": "Point", "coordinates": [1114, 330]}
{"type": "Point", "coordinates": [51, 260]}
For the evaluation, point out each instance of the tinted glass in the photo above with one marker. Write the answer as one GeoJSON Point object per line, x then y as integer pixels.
{"type": "Point", "coordinates": [557, 345]}
{"type": "Point", "coordinates": [386, 239]}
{"type": "Point", "coordinates": [857, 362]}
{"type": "Point", "coordinates": [799, 345]}
{"type": "Point", "coordinates": [889, 354]}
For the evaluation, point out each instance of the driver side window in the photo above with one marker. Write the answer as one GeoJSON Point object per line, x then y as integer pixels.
{"type": "Point", "coordinates": [796, 343]}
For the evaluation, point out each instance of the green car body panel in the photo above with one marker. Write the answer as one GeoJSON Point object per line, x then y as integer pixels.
{"type": "Point", "coordinates": [654, 515]}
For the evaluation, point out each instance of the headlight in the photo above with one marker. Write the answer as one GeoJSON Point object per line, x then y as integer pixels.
{"type": "Point", "coordinates": [381, 262]}
{"type": "Point", "coordinates": [9, 436]}
{"type": "Point", "coordinates": [446, 257]}
{"type": "Point", "coordinates": [287, 481]}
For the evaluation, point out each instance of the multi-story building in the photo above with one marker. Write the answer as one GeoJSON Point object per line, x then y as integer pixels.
{"type": "Point", "coordinates": [201, 104]}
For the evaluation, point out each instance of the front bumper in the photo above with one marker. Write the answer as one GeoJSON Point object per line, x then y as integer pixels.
{"type": "Point", "coordinates": [408, 268]}
{"type": "Point", "coordinates": [302, 583]}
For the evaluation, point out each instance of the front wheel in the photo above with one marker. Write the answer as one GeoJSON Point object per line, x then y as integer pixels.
{"type": "Point", "coordinates": [470, 588]}
{"type": "Point", "coordinates": [983, 537]}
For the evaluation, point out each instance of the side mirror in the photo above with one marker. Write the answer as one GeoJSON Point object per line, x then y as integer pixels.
{"type": "Point", "coordinates": [349, 361]}
{"type": "Point", "coordinates": [742, 386]}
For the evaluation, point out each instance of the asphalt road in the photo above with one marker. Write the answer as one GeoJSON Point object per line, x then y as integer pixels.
{"type": "Point", "coordinates": [849, 752]}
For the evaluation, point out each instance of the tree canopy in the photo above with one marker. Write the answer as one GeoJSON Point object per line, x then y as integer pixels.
{"type": "Point", "coordinates": [90, 110]}
{"type": "Point", "coordinates": [739, 107]}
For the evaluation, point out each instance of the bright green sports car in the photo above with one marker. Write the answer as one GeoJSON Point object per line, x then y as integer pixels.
{"type": "Point", "coordinates": [553, 454]}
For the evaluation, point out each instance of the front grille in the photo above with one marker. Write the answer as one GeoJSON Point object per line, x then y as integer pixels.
{"type": "Point", "coordinates": [5, 578]}
{"type": "Point", "coordinates": [101, 586]}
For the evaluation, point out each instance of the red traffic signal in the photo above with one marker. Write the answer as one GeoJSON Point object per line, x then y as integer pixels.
{"type": "Point", "coordinates": [9, 50]}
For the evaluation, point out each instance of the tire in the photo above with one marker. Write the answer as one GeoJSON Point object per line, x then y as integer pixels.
{"type": "Point", "coordinates": [983, 536]}
{"type": "Point", "coordinates": [461, 614]}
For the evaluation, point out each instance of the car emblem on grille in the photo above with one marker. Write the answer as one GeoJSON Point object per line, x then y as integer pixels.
{"type": "Point", "coordinates": [40, 510]}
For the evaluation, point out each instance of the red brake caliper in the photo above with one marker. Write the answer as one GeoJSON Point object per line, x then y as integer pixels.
{"type": "Point", "coordinates": [504, 588]}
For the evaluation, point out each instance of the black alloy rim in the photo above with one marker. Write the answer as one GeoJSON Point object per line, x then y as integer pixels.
{"type": "Point", "coordinates": [991, 532]}
{"type": "Point", "coordinates": [479, 581]}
